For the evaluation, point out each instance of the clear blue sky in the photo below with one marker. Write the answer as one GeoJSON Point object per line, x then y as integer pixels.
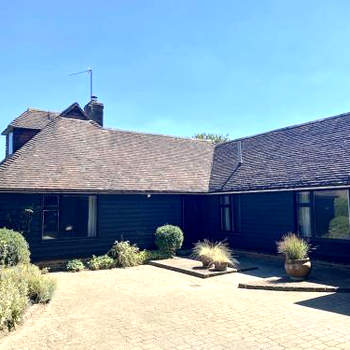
{"type": "Point", "coordinates": [179, 67]}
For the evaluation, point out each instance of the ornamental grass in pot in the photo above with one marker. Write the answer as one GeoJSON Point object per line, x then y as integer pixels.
{"type": "Point", "coordinates": [297, 262]}
{"type": "Point", "coordinates": [216, 254]}
{"type": "Point", "coordinates": [221, 259]}
{"type": "Point", "coordinates": [202, 252]}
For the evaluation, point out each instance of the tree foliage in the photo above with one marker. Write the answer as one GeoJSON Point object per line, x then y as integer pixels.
{"type": "Point", "coordinates": [215, 138]}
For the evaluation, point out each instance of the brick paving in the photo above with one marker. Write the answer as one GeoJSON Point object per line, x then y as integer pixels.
{"type": "Point", "coordinates": [151, 308]}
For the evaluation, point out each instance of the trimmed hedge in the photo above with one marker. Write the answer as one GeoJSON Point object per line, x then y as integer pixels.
{"type": "Point", "coordinates": [169, 238]}
{"type": "Point", "coordinates": [14, 248]}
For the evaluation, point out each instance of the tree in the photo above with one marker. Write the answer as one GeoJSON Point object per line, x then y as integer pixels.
{"type": "Point", "coordinates": [215, 138]}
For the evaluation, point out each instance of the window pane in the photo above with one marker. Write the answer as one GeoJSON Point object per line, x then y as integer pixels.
{"type": "Point", "coordinates": [50, 201]}
{"type": "Point", "coordinates": [332, 214]}
{"type": "Point", "coordinates": [50, 224]}
{"type": "Point", "coordinates": [226, 219]}
{"type": "Point", "coordinates": [92, 223]}
{"type": "Point", "coordinates": [74, 212]}
{"type": "Point", "coordinates": [304, 221]}
{"type": "Point", "coordinates": [304, 197]}
{"type": "Point", "coordinates": [225, 200]}
{"type": "Point", "coordinates": [10, 143]}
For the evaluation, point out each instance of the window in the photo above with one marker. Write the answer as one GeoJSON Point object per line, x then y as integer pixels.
{"type": "Point", "coordinates": [50, 217]}
{"type": "Point", "coordinates": [304, 213]}
{"type": "Point", "coordinates": [226, 213]}
{"type": "Point", "coordinates": [10, 143]}
{"type": "Point", "coordinates": [324, 214]}
{"type": "Point", "coordinates": [331, 210]}
{"type": "Point", "coordinates": [68, 216]}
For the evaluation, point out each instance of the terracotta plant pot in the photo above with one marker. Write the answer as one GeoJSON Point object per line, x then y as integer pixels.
{"type": "Point", "coordinates": [298, 269]}
{"type": "Point", "coordinates": [220, 266]}
{"type": "Point", "coordinates": [205, 261]}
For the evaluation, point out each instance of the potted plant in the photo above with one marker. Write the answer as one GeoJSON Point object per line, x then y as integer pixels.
{"type": "Point", "coordinates": [220, 259]}
{"type": "Point", "coordinates": [218, 254]}
{"type": "Point", "coordinates": [297, 262]}
{"type": "Point", "coordinates": [201, 251]}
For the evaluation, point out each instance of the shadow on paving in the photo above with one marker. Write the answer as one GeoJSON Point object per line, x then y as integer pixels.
{"type": "Point", "coordinates": [265, 267]}
{"type": "Point", "coordinates": [337, 303]}
{"type": "Point", "coordinates": [271, 276]}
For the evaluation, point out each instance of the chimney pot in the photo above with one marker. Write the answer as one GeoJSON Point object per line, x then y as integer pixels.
{"type": "Point", "coordinates": [94, 110]}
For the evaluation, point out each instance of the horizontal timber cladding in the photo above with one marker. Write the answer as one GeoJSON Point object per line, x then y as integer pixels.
{"type": "Point", "coordinates": [13, 214]}
{"type": "Point", "coordinates": [22, 136]}
{"type": "Point", "coordinates": [128, 217]}
{"type": "Point", "coordinates": [260, 219]}
{"type": "Point", "coordinates": [201, 219]}
{"type": "Point", "coordinates": [136, 217]}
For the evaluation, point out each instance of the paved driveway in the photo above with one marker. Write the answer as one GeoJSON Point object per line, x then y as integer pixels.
{"type": "Point", "coordinates": [150, 308]}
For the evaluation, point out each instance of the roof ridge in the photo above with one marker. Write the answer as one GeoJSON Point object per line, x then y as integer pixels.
{"type": "Point", "coordinates": [155, 134]}
{"type": "Point", "coordinates": [287, 128]}
{"type": "Point", "coordinates": [32, 109]}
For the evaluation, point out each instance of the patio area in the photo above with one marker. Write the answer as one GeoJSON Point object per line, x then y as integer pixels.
{"type": "Point", "coordinates": [147, 307]}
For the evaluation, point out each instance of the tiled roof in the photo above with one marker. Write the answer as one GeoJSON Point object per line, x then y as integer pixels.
{"type": "Point", "coordinates": [32, 119]}
{"type": "Point", "coordinates": [311, 154]}
{"type": "Point", "coordinates": [76, 155]}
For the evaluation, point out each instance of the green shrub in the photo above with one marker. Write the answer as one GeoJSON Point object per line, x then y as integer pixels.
{"type": "Point", "coordinates": [19, 285]}
{"type": "Point", "coordinates": [100, 262]}
{"type": "Point", "coordinates": [293, 247]}
{"type": "Point", "coordinates": [148, 255]}
{"type": "Point", "coordinates": [169, 238]}
{"type": "Point", "coordinates": [40, 285]}
{"type": "Point", "coordinates": [125, 254]}
{"type": "Point", "coordinates": [13, 298]}
{"type": "Point", "coordinates": [13, 248]}
{"type": "Point", "coordinates": [75, 265]}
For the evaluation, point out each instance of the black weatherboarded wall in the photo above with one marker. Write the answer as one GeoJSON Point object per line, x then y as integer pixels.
{"type": "Point", "coordinates": [128, 217]}
{"type": "Point", "coordinates": [263, 219]}
{"type": "Point", "coordinates": [258, 219]}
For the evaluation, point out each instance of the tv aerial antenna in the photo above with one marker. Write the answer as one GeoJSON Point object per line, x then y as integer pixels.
{"type": "Point", "coordinates": [89, 71]}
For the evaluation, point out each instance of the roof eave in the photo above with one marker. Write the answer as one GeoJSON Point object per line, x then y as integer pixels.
{"type": "Point", "coordinates": [7, 130]}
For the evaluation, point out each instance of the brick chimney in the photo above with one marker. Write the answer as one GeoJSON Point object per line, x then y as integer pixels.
{"type": "Point", "coordinates": [94, 110]}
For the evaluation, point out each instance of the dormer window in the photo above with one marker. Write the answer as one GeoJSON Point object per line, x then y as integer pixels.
{"type": "Point", "coordinates": [10, 143]}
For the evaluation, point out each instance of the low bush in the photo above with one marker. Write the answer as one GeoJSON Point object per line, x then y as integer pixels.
{"type": "Point", "coordinates": [75, 265]}
{"type": "Point", "coordinates": [100, 262]}
{"type": "Point", "coordinates": [169, 238]}
{"type": "Point", "coordinates": [13, 298]}
{"type": "Point", "coordinates": [125, 254]}
{"type": "Point", "coordinates": [40, 285]}
{"type": "Point", "coordinates": [148, 255]}
{"type": "Point", "coordinates": [293, 247]}
{"type": "Point", "coordinates": [13, 248]}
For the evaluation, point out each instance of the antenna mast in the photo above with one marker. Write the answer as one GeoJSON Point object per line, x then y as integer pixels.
{"type": "Point", "coordinates": [89, 70]}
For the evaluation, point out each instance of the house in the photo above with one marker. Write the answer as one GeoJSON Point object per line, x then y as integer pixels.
{"type": "Point", "coordinates": [74, 187]}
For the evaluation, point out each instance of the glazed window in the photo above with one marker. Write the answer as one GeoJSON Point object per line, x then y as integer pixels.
{"type": "Point", "coordinates": [324, 214]}
{"type": "Point", "coordinates": [10, 143]}
{"type": "Point", "coordinates": [304, 213]}
{"type": "Point", "coordinates": [331, 211]}
{"type": "Point", "coordinates": [68, 216]}
{"type": "Point", "coordinates": [226, 213]}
